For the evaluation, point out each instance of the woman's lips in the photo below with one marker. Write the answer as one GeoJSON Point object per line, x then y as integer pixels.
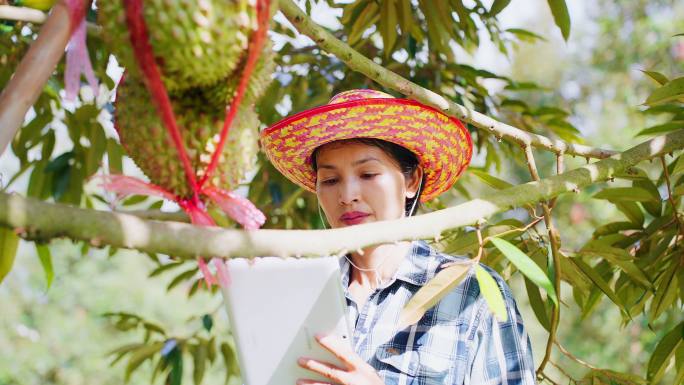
{"type": "Point", "coordinates": [353, 217]}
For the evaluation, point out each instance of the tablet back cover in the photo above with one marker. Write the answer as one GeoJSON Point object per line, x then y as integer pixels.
{"type": "Point", "coordinates": [276, 306]}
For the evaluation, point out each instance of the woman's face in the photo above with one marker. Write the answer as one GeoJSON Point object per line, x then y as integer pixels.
{"type": "Point", "coordinates": [359, 183]}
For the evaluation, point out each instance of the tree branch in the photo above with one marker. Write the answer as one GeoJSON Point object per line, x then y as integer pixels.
{"type": "Point", "coordinates": [33, 72]}
{"type": "Point", "coordinates": [554, 239]}
{"type": "Point", "coordinates": [40, 220]}
{"type": "Point", "coordinates": [389, 79]}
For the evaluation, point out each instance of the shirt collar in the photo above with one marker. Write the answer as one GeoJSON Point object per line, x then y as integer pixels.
{"type": "Point", "coordinates": [417, 268]}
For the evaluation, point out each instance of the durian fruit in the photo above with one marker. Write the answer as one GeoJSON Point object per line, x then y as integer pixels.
{"type": "Point", "coordinates": [145, 138]}
{"type": "Point", "coordinates": [195, 42]}
{"type": "Point", "coordinates": [222, 92]}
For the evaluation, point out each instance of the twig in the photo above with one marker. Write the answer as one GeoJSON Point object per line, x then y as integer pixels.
{"type": "Point", "coordinates": [357, 62]}
{"type": "Point", "coordinates": [675, 213]}
{"type": "Point", "coordinates": [555, 245]}
{"type": "Point", "coordinates": [35, 219]}
{"type": "Point", "coordinates": [579, 361]}
{"type": "Point", "coordinates": [562, 371]}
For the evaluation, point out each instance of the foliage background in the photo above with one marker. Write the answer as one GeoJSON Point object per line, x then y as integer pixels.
{"type": "Point", "coordinates": [60, 336]}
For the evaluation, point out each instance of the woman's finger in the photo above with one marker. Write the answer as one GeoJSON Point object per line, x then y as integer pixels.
{"type": "Point", "coordinates": [325, 369]}
{"type": "Point", "coordinates": [312, 382]}
{"type": "Point", "coordinates": [339, 348]}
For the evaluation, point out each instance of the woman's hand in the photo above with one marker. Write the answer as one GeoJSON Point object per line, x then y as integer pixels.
{"type": "Point", "coordinates": [355, 371]}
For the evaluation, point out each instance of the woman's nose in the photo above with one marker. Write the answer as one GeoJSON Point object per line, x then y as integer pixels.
{"type": "Point", "coordinates": [349, 193]}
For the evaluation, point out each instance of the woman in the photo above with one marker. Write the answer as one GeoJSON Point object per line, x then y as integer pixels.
{"type": "Point", "coordinates": [371, 157]}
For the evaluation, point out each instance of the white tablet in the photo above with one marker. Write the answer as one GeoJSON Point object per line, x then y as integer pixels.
{"type": "Point", "coordinates": [276, 306]}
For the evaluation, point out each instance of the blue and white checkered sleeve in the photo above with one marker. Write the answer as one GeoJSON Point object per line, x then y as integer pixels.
{"type": "Point", "coordinates": [501, 352]}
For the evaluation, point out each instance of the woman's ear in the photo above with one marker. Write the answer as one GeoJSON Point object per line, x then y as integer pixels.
{"type": "Point", "coordinates": [413, 183]}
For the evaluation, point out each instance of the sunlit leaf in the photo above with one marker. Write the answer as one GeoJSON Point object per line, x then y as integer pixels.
{"type": "Point", "coordinates": [45, 261]}
{"type": "Point", "coordinates": [657, 76]}
{"type": "Point", "coordinates": [491, 293]}
{"type": "Point", "coordinates": [672, 90]}
{"type": "Point", "coordinates": [489, 179]}
{"type": "Point", "coordinates": [498, 6]}
{"type": "Point", "coordinates": [432, 292]}
{"type": "Point", "coordinates": [526, 266]}
{"type": "Point", "coordinates": [9, 242]}
{"type": "Point", "coordinates": [561, 16]}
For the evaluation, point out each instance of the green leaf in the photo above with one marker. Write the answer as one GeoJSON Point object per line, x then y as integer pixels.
{"type": "Point", "coordinates": [525, 35]}
{"type": "Point", "coordinates": [657, 76]}
{"type": "Point", "coordinates": [491, 293]}
{"type": "Point", "coordinates": [664, 351]}
{"type": "Point", "coordinates": [622, 194]}
{"type": "Point", "coordinates": [207, 322]}
{"type": "Point", "coordinates": [665, 295]}
{"type": "Point", "coordinates": [9, 242]}
{"type": "Point", "coordinates": [184, 276]}
{"type": "Point", "coordinates": [139, 355]}
{"type": "Point", "coordinates": [497, 7]}
{"type": "Point", "coordinates": [598, 281]}
{"type": "Point", "coordinates": [229, 360]}
{"type": "Point", "coordinates": [433, 291]}
{"type": "Point", "coordinates": [678, 168]}
{"type": "Point", "coordinates": [366, 18]}
{"type": "Point", "coordinates": [490, 180]}
{"type": "Point", "coordinates": [661, 128]}
{"type": "Point", "coordinates": [561, 16]}
{"type": "Point", "coordinates": [617, 257]}
{"type": "Point", "coordinates": [115, 155]}
{"type": "Point", "coordinates": [672, 90]}
{"type": "Point", "coordinates": [537, 304]}
{"type": "Point", "coordinates": [388, 26]}
{"type": "Point", "coordinates": [526, 266]}
{"type": "Point", "coordinates": [199, 363]}
{"type": "Point", "coordinates": [614, 227]}
{"type": "Point", "coordinates": [46, 262]}
{"type": "Point", "coordinates": [632, 211]}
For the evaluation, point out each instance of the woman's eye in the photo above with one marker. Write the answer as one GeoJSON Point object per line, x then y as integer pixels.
{"type": "Point", "coordinates": [329, 182]}
{"type": "Point", "coordinates": [368, 176]}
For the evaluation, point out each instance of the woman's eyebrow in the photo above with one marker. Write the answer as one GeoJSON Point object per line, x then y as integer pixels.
{"type": "Point", "coordinates": [355, 163]}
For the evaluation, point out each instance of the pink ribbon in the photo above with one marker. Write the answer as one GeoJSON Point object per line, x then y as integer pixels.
{"type": "Point", "coordinates": [236, 207]}
{"type": "Point", "coordinates": [77, 58]}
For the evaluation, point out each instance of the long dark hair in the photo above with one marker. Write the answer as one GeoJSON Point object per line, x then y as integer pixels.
{"type": "Point", "coordinates": [407, 161]}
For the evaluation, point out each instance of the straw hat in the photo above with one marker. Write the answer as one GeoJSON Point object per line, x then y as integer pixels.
{"type": "Point", "coordinates": [441, 143]}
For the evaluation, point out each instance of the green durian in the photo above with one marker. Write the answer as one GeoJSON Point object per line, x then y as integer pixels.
{"type": "Point", "coordinates": [222, 92]}
{"type": "Point", "coordinates": [195, 42]}
{"type": "Point", "coordinates": [147, 142]}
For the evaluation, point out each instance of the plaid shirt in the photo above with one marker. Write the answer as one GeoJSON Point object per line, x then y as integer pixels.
{"type": "Point", "coordinates": [458, 341]}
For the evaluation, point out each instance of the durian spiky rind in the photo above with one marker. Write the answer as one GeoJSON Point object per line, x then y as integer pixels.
{"type": "Point", "coordinates": [147, 142]}
{"type": "Point", "coordinates": [195, 42]}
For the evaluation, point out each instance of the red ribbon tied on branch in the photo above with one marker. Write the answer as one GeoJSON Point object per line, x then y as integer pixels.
{"type": "Point", "coordinates": [77, 58]}
{"type": "Point", "coordinates": [238, 208]}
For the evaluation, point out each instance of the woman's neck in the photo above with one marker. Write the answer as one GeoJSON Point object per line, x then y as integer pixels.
{"type": "Point", "coordinates": [381, 261]}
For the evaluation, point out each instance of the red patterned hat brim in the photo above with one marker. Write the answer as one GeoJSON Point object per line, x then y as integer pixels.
{"type": "Point", "coordinates": [441, 143]}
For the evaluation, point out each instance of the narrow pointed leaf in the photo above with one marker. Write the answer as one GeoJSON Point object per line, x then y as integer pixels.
{"type": "Point", "coordinates": [672, 90]}
{"type": "Point", "coordinates": [491, 293]}
{"type": "Point", "coordinates": [664, 351]}
{"type": "Point", "coordinates": [9, 242]}
{"type": "Point", "coordinates": [432, 292]}
{"type": "Point", "coordinates": [526, 266]}
{"type": "Point", "coordinates": [46, 262]}
{"type": "Point", "coordinates": [561, 16]}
